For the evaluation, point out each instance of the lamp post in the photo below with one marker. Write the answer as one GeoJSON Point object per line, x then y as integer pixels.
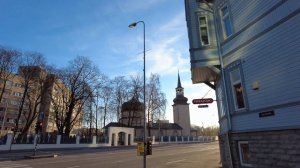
{"type": "Point", "coordinates": [132, 25]}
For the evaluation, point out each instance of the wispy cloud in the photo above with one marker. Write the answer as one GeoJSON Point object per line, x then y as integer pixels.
{"type": "Point", "coordinates": [177, 23]}
{"type": "Point", "coordinates": [133, 5]}
{"type": "Point", "coordinates": [167, 55]}
{"type": "Point", "coordinates": [165, 58]}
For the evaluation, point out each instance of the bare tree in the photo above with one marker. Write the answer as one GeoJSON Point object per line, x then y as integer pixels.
{"type": "Point", "coordinates": [106, 95]}
{"type": "Point", "coordinates": [34, 98]}
{"type": "Point", "coordinates": [132, 110]}
{"type": "Point", "coordinates": [97, 108]}
{"type": "Point", "coordinates": [120, 94]}
{"type": "Point", "coordinates": [206, 131]}
{"type": "Point", "coordinates": [155, 101]}
{"type": "Point", "coordinates": [78, 79]}
{"type": "Point", "coordinates": [8, 66]}
{"type": "Point", "coordinates": [33, 77]}
{"type": "Point", "coordinates": [89, 115]}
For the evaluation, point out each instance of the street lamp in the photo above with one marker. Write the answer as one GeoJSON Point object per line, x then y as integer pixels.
{"type": "Point", "coordinates": [132, 25]}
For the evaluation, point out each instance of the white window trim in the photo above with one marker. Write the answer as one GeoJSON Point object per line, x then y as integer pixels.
{"type": "Point", "coordinates": [222, 21]}
{"type": "Point", "coordinates": [240, 154]}
{"type": "Point", "coordinates": [206, 25]}
{"type": "Point", "coordinates": [233, 90]}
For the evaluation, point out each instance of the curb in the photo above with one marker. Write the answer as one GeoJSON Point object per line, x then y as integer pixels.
{"type": "Point", "coordinates": [40, 156]}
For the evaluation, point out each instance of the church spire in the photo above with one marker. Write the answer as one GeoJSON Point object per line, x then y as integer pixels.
{"type": "Point", "coordinates": [179, 82]}
{"type": "Point", "coordinates": [180, 99]}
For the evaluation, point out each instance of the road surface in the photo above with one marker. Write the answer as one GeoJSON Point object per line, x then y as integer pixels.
{"type": "Point", "coordinates": [204, 155]}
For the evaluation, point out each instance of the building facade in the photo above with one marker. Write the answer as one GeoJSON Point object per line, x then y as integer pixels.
{"type": "Point", "coordinates": [248, 51]}
{"type": "Point", "coordinates": [10, 102]}
{"type": "Point", "coordinates": [181, 111]}
{"type": "Point", "coordinates": [132, 115]}
{"type": "Point", "coordinates": [40, 97]}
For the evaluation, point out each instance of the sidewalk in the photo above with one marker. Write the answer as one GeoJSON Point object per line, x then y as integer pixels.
{"type": "Point", "coordinates": [19, 155]}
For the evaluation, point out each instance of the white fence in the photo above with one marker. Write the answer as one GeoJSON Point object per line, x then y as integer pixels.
{"type": "Point", "coordinates": [7, 142]}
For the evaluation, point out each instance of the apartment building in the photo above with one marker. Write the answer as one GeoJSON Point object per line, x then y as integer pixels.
{"type": "Point", "coordinates": [42, 92]}
{"type": "Point", "coordinates": [53, 105]}
{"type": "Point", "coordinates": [10, 102]}
{"type": "Point", "coordinates": [248, 51]}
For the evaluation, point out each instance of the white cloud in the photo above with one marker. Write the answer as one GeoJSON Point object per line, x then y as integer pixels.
{"type": "Point", "coordinates": [162, 57]}
{"type": "Point", "coordinates": [177, 24]}
{"type": "Point", "coordinates": [167, 54]}
{"type": "Point", "coordinates": [134, 5]}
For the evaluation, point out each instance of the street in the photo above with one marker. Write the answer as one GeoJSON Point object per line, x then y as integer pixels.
{"type": "Point", "coordinates": [204, 155]}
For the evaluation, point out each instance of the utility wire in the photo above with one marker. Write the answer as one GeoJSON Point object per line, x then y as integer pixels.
{"type": "Point", "coordinates": [206, 93]}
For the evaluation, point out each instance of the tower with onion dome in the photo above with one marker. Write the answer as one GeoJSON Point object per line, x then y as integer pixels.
{"type": "Point", "coordinates": [181, 111]}
{"type": "Point", "coordinates": [132, 112]}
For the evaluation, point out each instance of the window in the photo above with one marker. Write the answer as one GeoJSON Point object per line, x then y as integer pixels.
{"type": "Point", "coordinates": [203, 26]}
{"type": "Point", "coordinates": [244, 153]}
{"type": "Point", "coordinates": [226, 23]}
{"type": "Point", "coordinates": [4, 100]}
{"type": "Point", "coordinates": [7, 91]}
{"type": "Point", "coordinates": [18, 85]}
{"type": "Point", "coordinates": [15, 103]}
{"type": "Point", "coordinates": [237, 88]}
{"type": "Point", "coordinates": [9, 83]}
{"type": "Point", "coordinates": [17, 94]}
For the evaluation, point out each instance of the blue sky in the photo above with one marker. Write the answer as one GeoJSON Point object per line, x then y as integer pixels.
{"type": "Point", "coordinates": [63, 29]}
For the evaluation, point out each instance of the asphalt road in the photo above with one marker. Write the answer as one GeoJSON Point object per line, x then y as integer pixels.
{"type": "Point", "coordinates": [204, 155]}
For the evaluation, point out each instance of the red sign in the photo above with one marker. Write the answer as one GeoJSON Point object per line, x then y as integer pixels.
{"type": "Point", "coordinates": [203, 101]}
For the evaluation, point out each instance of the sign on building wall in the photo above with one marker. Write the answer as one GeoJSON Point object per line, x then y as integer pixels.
{"type": "Point", "coordinates": [203, 101]}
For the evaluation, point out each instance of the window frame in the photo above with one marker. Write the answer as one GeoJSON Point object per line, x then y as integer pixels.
{"type": "Point", "coordinates": [233, 91]}
{"type": "Point", "coordinates": [207, 29]}
{"type": "Point", "coordinates": [223, 18]}
{"type": "Point", "coordinates": [241, 154]}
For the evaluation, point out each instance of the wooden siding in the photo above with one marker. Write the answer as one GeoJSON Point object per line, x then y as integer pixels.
{"type": "Point", "coordinates": [223, 126]}
{"type": "Point", "coordinates": [193, 24]}
{"type": "Point", "coordinates": [202, 57]}
{"type": "Point", "coordinates": [284, 118]}
{"type": "Point", "coordinates": [244, 12]}
{"type": "Point", "coordinates": [261, 25]}
{"type": "Point", "coordinates": [273, 60]}
{"type": "Point", "coordinates": [269, 51]}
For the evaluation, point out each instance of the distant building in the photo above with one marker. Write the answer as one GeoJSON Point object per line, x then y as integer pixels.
{"type": "Point", "coordinates": [132, 116]}
{"type": "Point", "coordinates": [248, 51]}
{"type": "Point", "coordinates": [35, 77]}
{"type": "Point", "coordinates": [181, 111]}
{"type": "Point", "coordinates": [132, 112]}
{"type": "Point", "coordinates": [10, 102]}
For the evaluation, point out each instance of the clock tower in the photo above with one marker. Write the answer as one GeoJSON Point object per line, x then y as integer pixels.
{"type": "Point", "coordinates": [181, 111]}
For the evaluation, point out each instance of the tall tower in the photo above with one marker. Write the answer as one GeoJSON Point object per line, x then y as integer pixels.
{"type": "Point", "coordinates": [181, 111]}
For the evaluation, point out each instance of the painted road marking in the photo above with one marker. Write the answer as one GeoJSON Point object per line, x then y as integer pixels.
{"type": "Point", "coordinates": [176, 161]}
{"type": "Point", "coordinates": [73, 167]}
{"type": "Point", "coordinates": [10, 164]}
